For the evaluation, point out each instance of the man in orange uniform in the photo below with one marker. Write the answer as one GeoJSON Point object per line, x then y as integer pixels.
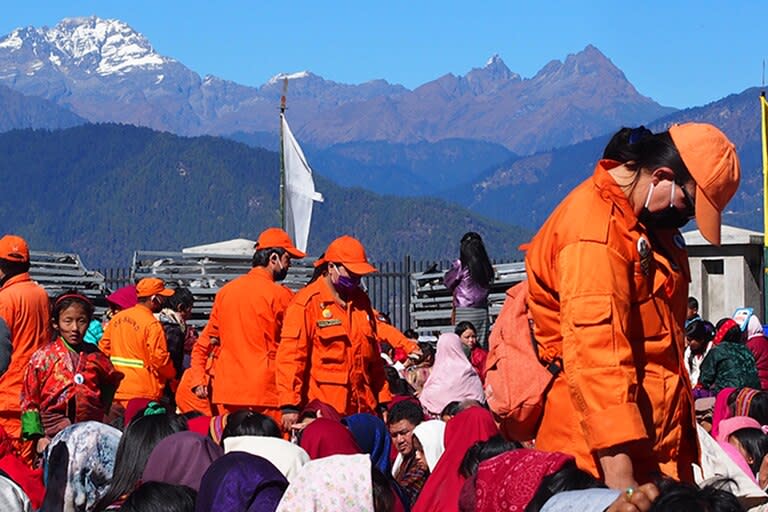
{"type": "Point", "coordinates": [246, 319]}
{"type": "Point", "coordinates": [25, 326]}
{"type": "Point", "coordinates": [135, 342]}
{"type": "Point", "coordinates": [608, 275]}
{"type": "Point", "coordinates": [328, 348]}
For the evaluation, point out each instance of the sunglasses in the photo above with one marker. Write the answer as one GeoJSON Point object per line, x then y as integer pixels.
{"type": "Point", "coordinates": [690, 202]}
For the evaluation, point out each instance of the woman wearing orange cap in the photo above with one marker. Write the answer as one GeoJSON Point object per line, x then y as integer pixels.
{"type": "Point", "coordinates": [328, 349]}
{"type": "Point", "coordinates": [608, 275]}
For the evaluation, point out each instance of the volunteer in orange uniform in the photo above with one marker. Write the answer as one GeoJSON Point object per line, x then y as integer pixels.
{"type": "Point", "coordinates": [25, 326]}
{"type": "Point", "coordinates": [608, 275]}
{"type": "Point", "coordinates": [388, 333]}
{"type": "Point", "coordinates": [328, 349]}
{"type": "Point", "coordinates": [246, 319]}
{"type": "Point", "coordinates": [135, 343]}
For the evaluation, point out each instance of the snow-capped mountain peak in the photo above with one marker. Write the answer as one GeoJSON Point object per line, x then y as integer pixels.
{"type": "Point", "coordinates": [95, 45]}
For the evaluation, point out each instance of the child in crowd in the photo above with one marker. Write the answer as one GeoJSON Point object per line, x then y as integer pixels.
{"type": "Point", "coordinates": [752, 444]}
{"type": "Point", "coordinates": [68, 380]}
{"type": "Point", "coordinates": [698, 335]}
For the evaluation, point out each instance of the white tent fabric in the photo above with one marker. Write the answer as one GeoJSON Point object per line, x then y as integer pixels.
{"type": "Point", "coordinates": [299, 189]}
{"type": "Point", "coordinates": [234, 247]}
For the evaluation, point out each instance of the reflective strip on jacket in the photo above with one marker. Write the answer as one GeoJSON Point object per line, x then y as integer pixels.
{"type": "Point", "coordinates": [330, 353]}
{"type": "Point", "coordinates": [134, 341]}
{"type": "Point", "coordinates": [611, 298]}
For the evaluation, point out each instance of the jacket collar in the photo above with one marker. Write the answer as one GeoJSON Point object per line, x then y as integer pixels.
{"type": "Point", "coordinates": [18, 278]}
{"type": "Point", "coordinates": [611, 191]}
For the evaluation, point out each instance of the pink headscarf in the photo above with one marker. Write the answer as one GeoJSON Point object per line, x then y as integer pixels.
{"type": "Point", "coordinates": [728, 427]}
{"type": "Point", "coordinates": [754, 328]}
{"type": "Point", "coordinates": [452, 377]}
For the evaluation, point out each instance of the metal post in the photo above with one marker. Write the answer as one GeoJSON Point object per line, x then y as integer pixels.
{"type": "Point", "coordinates": [282, 155]}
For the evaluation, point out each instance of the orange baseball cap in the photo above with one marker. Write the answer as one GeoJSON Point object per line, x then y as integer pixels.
{"type": "Point", "coordinates": [712, 161]}
{"type": "Point", "coordinates": [152, 286]}
{"type": "Point", "coordinates": [349, 252]}
{"type": "Point", "coordinates": [276, 237]}
{"type": "Point", "coordinates": [14, 248]}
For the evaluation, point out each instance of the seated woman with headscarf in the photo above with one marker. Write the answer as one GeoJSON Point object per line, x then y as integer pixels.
{"type": "Point", "coordinates": [452, 379]}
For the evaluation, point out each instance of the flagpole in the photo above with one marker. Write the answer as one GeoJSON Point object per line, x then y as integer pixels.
{"type": "Point", "coordinates": [282, 155]}
{"type": "Point", "coordinates": [764, 144]}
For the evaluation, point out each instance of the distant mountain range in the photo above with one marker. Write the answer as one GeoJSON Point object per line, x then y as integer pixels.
{"type": "Point", "coordinates": [20, 111]}
{"type": "Point", "coordinates": [527, 188]}
{"type": "Point", "coordinates": [104, 71]}
{"type": "Point", "coordinates": [105, 191]}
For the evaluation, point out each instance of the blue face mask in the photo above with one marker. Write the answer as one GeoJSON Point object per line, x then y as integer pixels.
{"type": "Point", "coordinates": [346, 285]}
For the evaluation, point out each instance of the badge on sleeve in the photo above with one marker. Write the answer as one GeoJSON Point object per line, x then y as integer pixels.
{"type": "Point", "coordinates": [79, 379]}
{"type": "Point", "coordinates": [644, 250]}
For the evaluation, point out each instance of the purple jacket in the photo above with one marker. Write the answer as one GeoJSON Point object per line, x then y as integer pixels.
{"type": "Point", "coordinates": [758, 345]}
{"type": "Point", "coordinates": [466, 292]}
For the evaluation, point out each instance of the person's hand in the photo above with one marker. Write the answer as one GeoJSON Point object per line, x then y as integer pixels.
{"type": "Point", "coordinates": [634, 499]}
{"type": "Point", "coordinates": [42, 444]}
{"type": "Point", "coordinates": [617, 468]}
{"type": "Point", "coordinates": [200, 392]}
{"type": "Point", "coordinates": [289, 419]}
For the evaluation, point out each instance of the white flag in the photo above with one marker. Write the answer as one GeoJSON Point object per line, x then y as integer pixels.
{"type": "Point", "coordinates": [299, 189]}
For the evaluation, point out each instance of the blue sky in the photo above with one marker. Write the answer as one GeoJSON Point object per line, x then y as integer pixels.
{"type": "Point", "coordinates": [679, 53]}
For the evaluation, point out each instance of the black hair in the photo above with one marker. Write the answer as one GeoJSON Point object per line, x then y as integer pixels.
{"type": "Point", "coordinates": [181, 297]}
{"type": "Point", "coordinates": [405, 410]}
{"type": "Point", "coordinates": [385, 347]}
{"type": "Point", "coordinates": [383, 495]}
{"type": "Point", "coordinates": [693, 303]}
{"type": "Point", "coordinates": [758, 407]}
{"type": "Point", "coordinates": [699, 331]}
{"type": "Point", "coordinates": [397, 384]}
{"type": "Point", "coordinates": [484, 450]}
{"type": "Point", "coordinates": [639, 148]}
{"type": "Point", "coordinates": [140, 437]}
{"type": "Point", "coordinates": [250, 423]}
{"type": "Point", "coordinates": [68, 298]}
{"type": "Point", "coordinates": [473, 256]}
{"type": "Point", "coordinates": [732, 335]}
{"type": "Point", "coordinates": [411, 334]}
{"type": "Point", "coordinates": [567, 478]}
{"type": "Point", "coordinates": [685, 497]}
{"type": "Point", "coordinates": [451, 409]}
{"type": "Point", "coordinates": [755, 443]}
{"type": "Point", "coordinates": [13, 268]}
{"type": "Point", "coordinates": [160, 497]}
{"type": "Point", "coordinates": [464, 325]}
{"type": "Point", "coordinates": [261, 256]}
{"type": "Point", "coordinates": [427, 351]}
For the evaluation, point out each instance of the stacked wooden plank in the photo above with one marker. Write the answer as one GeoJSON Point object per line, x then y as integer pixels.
{"type": "Point", "coordinates": [58, 272]}
{"type": "Point", "coordinates": [205, 274]}
{"type": "Point", "coordinates": [432, 302]}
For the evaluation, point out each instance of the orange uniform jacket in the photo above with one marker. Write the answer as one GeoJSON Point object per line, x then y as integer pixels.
{"type": "Point", "coordinates": [246, 318]}
{"type": "Point", "coordinates": [611, 298]}
{"type": "Point", "coordinates": [25, 324]}
{"type": "Point", "coordinates": [330, 353]}
{"type": "Point", "coordinates": [390, 334]}
{"type": "Point", "coordinates": [135, 342]}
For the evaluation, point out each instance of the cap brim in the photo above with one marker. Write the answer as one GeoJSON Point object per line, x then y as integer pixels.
{"type": "Point", "coordinates": [318, 262]}
{"type": "Point", "coordinates": [360, 269]}
{"type": "Point", "coordinates": [294, 252]}
{"type": "Point", "coordinates": [707, 217]}
{"type": "Point", "coordinates": [167, 292]}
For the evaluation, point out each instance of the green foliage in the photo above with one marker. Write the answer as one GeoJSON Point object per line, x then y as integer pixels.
{"type": "Point", "coordinates": [105, 191]}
